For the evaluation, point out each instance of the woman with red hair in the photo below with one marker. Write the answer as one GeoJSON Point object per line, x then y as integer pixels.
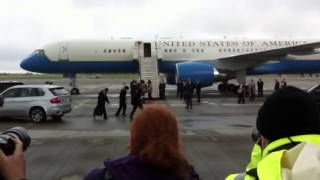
{"type": "Point", "coordinates": [155, 151]}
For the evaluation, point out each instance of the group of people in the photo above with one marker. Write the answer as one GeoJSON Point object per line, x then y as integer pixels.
{"type": "Point", "coordinates": [288, 124]}
{"type": "Point", "coordinates": [250, 90]}
{"type": "Point", "coordinates": [185, 91]}
{"type": "Point", "coordinates": [278, 84]}
{"type": "Point", "coordinates": [138, 91]}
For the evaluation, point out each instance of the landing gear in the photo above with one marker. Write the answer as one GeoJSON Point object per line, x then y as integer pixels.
{"type": "Point", "coordinates": [226, 88]}
{"type": "Point", "coordinates": [73, 83]}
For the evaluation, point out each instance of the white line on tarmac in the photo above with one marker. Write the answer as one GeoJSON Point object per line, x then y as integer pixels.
{"type": "Point", "coordinates": [84, 102]}
{"type": "Point", "coordinates": [212, 103]}
{"type": "Point", "coordinates": [238, 105]}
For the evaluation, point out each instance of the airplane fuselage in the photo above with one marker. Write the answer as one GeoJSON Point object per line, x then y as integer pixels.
{"type": "Point", "coordinates": [121, 56]}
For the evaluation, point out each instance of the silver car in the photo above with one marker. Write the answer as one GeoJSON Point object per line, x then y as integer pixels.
{"type": "Point", "coordinates": [37, 102]}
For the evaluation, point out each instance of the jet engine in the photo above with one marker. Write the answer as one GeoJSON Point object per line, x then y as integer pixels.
{"type": "Point", "coordinates": [202, 72]}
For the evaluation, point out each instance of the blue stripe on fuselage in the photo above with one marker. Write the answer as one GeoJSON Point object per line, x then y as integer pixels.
{"type": "Point", "coordinates": [40, 63]}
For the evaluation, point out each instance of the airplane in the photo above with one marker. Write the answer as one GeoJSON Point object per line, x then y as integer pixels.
{"type": "Point", "coordinates": [197, 60]}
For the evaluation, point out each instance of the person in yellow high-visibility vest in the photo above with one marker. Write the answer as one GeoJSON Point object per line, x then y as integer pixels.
{"type": "Point", "coordinates": [287, 118]}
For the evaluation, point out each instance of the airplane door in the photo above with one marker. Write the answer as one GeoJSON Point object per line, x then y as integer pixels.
{"type": "Point", "coordinates": [147, 49]}
{"type": "Point", "coordinates": [63, 52]}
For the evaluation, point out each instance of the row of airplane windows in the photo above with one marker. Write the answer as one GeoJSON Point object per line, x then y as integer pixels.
{"type": "Point", "coordinates": [220, 50]}
{"type": "Point", "coordinates": [242, 50]}
{"type": "Point", "coordinates": [114, 51]}
{"type": "Point", "coordinates": [193, 50]}
{"type": "Point", "coordinates": [183, 50]}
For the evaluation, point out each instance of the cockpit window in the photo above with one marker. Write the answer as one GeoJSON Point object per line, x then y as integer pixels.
{"type": "Point", "coordinates": [38, 51]}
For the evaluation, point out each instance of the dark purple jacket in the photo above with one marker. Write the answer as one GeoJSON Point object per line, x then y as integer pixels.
{"type": "Point", "coordinates": [131, 168]}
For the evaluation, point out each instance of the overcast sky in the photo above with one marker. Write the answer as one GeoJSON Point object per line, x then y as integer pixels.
{"type": "Point", "coordinates": [26, 25]}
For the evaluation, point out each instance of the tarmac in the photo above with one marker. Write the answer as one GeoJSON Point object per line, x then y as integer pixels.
{"type": "Point", "coordinates": [215, 134]}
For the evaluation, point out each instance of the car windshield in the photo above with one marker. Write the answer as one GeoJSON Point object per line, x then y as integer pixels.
{"type": "Point", "coordinates": [58, 91]}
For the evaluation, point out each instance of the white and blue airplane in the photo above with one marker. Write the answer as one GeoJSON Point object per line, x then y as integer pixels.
{"type": "Point", "coordinates": [198, 60]}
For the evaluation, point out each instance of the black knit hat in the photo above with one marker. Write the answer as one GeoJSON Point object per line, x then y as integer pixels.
{"type": "Point", "coordinates": [287, 112]}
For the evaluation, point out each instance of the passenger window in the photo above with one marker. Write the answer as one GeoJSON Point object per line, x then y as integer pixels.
{"type": "Point", "coordinates": [23, 92]}
{"type": "Point", "coordinates": [124, 51]}
{"type": "Point", "coordinates": [37, 92]}
{"type": "Point", "coordinates": [165, 50]}
{"type": "Point", "coordinates": [119, 50]}
{"type": "Point", "coordinates": [174, 50]}
{"type": "Point", "coordinates": [109, 51]}
{"type": "Point", "coordinates": [11, 93]}
{"type": "Point", "coordinates": [105, 51]}
{"type": "Point", "coordinates": [114, 50]}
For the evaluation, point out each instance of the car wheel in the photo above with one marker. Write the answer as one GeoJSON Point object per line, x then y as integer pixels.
{"type": "Point", "coordinates": [37, 115]}
{"type": "Point", "coordinates": [74, 91]}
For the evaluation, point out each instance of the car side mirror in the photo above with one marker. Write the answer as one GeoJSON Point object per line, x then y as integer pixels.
{"type": "Point", "coordinates": [1, 100]}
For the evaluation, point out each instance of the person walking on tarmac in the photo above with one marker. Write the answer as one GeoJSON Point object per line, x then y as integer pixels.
{"type": "Point", "coordinates": [149, 89]}
{"type": "Point", "coordinates": [188, 91]}
{"type": "Point", "coordinates": [101, 104]}
{"type": "Point", "coordinates": [123, 101]}
{"type": "Point", "coordinates": [241, 93]}
{"type": "Point", "coordinates": [137, 102]}
{"type": "Point", "coordinates": [289, 126]}
{"type": "Point", "coordinates": [276, 85]}
{"type": "Point", "coordinates": [198, 90]}
{"type": "Point", "coordinates": [133, 88]}
{"type": "Point", "coordinates": [162, 90]}
{"type": "Point", "coordinates": [260, 88]}
{"type": "Point", "coordinates": [179, 87]}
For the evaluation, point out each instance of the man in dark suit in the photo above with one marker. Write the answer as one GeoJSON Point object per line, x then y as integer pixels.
{"type": "Point", "coordinates": [260, 87]}
{"type": "Point", "coordinates": [101, 105]}
{"type": "Point", "coordinates": [198, 90]}
{"type": "Point", "coordinates": [136, 102]}
{"type": "Point", "coordinates": [122, 101]}
{"type": "Point", "coordinates": [188, 91]}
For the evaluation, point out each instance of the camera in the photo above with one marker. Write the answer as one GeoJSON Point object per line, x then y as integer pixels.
{"type": "Point", "coordinates": [7, 144]}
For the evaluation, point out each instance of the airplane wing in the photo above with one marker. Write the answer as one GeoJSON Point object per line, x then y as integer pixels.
{"type": "Point", "coordinates": [241, 61]}
{"type": "Point", "coordinates": [276, 53]}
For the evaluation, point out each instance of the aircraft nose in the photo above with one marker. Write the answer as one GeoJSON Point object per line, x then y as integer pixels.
{"type": "Point", "coordinates": [26, 64]}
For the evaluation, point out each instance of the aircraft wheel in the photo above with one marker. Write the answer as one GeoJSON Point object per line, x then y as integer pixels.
{"type": "Point", "coordinates": [74, 91]}
{"type": "Point", "coordinates": [231, 87]}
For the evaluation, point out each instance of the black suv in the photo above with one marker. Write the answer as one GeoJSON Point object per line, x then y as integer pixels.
{"type": "Point", "coordinates": [6, 84]}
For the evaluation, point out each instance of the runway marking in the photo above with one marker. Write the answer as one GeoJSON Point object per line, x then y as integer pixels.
{"type": "Point", "coordinates": [177, 105]}
{"type": "Point", "coordinates": [84, 102]}
{"type": "Point", "coordinates": [212, 103]}
{"type": "Point", "coordinates": [238, 105]}
{"type": "Point", "coordinates": [114, 104]}
{"type": "Point", "coordinates": [45, 134]}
